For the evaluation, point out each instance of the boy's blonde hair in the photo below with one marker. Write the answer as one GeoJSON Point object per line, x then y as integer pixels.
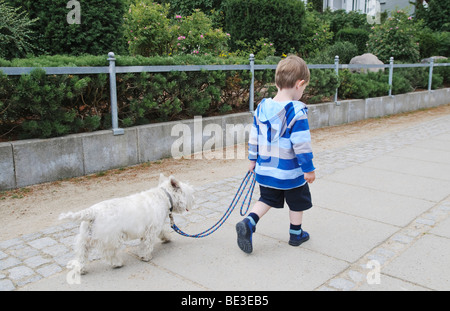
{"type": "Point", "coordinates": [289, 71]}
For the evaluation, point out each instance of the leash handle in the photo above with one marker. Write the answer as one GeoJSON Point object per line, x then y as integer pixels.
{"type": "Point", "coordinates": [249, 176]}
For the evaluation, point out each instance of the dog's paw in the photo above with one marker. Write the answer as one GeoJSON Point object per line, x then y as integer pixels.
{"type": "Point", "coordinates": [117, 266]}
{"type": "Point", "coordinates": [165, 240]}
{"type": "Point", "coordinates": [146, 258]}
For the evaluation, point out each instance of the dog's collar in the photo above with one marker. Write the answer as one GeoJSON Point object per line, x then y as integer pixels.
{"type": "Point", "coordinates": [170, 199]}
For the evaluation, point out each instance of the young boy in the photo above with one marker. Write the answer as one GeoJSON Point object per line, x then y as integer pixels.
{"type": "Point", "coordinates": [280, 153]}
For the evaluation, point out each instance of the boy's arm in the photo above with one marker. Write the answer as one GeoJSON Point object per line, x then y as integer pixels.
{"type": "Point", "coordinates": [253, 143]}
{"type": "Point", "coordinates": [301, 143]}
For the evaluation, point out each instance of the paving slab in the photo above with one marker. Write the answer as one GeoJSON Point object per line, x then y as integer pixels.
{"type": "Point", "coordinates": [442, 229]}
{"type": "Point", "coordinates": [445, 137]}
{"type": "Point", "coordinates": [134, 275]}
{"type": "Point", "coordinates": [334, 234]}
{"type": "Point", "coordinates": [424, 263]}
{"type": "Point", "coordinates": [218, 264]}
{"type": "Point", "coordinates": [418, 187]}
{"type": "Point", "coordinates": [388, 283]}
{"type": "Point", "coordinates": [377, 205]}
{"type": "Point", "coordinates": [412, 167]}
{"type": "Point", "coordinates": [440, 142]}
{"type": "Point", "coordinates": [419, 153]}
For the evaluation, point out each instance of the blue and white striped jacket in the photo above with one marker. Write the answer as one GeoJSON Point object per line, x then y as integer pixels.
{"type": "Point", "coordinates": [280, 143]}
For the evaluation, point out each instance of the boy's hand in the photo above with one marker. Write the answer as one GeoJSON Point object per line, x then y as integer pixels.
{"type": "Point", "coordinates": [252, 165]}
{"type": "Point", "coordinates": [310, 177]}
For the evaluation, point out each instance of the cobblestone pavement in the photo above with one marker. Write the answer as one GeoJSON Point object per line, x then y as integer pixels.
{"type": "Point", "coordinates": [32, 257]}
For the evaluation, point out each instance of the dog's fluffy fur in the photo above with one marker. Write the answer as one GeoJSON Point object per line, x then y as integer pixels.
{"type": "Point", "coordinates": [107, 224]}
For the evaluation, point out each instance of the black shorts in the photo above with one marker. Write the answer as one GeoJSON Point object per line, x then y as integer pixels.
{"type": "Point", "coordinates": [298, 199]}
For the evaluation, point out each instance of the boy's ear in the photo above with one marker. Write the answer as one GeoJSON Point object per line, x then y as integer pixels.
{"type": "Point", "coordinates": [301, 82]}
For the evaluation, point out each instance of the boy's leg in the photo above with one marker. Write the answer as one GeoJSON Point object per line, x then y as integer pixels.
{"type": "Point", "coordinates": [298, 200]}
{"type": "Point", "coordinates": [260, 208]}
{"type": "Point", "coordinates": [296, 235]}
{"type": "Point", "coordinates": [246, 227]}
{"type": "Point", "coordinates": [296, 218]}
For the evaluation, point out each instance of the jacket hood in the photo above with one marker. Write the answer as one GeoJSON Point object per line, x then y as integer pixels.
{"type": "Point", "coordinates": [272, 117]}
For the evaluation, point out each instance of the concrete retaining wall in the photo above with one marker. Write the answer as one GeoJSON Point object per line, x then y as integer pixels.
{"type": "Point", "coordinates": [29, 162]}
{"type": "Point", "coordinates": [329, 114]}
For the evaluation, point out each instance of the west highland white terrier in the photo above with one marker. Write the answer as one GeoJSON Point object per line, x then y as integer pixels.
{"type": "Point", "coordinates": [106, 225]}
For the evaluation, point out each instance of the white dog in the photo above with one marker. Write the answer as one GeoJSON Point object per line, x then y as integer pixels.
{"type": "Point", "coordinates": [107, 224]}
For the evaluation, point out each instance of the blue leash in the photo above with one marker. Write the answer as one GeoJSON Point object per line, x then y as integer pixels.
{"type": "Point", "coordinates": [250, 176]}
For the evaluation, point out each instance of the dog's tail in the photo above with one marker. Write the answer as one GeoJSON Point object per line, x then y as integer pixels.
{"type": "Point", "coordinates": [84, 215]}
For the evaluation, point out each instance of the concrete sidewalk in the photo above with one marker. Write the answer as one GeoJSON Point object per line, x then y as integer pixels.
{"type": "Point", "coordinates": [380, 221]}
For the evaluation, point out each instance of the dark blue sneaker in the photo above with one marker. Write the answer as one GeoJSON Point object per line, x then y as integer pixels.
{"type": "Point", "coordinates": [244, 230]}
{"type": "Point", "coordinates": [296, 240]}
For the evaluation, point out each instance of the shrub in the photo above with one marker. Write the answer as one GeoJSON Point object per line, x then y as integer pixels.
{"type": "Point", "coordinates": [195, 35]}
{"type": "Point", "coordinates": [436, 15]}
{"type": "Point", "coordinates": [358, 37]}
{"type": "Point", "coordinates": [340, 19]}
{"type": "Point", "coordinates": [147, 29]}
{"type": "Point", "coordinates": [252, 20]}
{"type": "Point", "coordinates": [100, 30]}
{"type": "Point", "coordinates": [262, 49]}
{"type": "Point", "coordinates": [444, 72]}
{"type": "Point", "coordinates": [400, 84]}
{"type": "Point", "coordinates": [362, 85]}
{"type": "Point", "coordinates": [49, 105]}
{"type": "Point", "coordinates": [428, 43]}
{"type": "Point", "coordinates": [316, 35]}
{"type": "Point", "coordinates": [186, 7]}
{"type": "Point", "coordinates": [444, 43]}
{"type": "Point", "coordinates": [376, 84]}
{"type": "Point", "coordinates": [418, 78]}
{"type": "Point", "coordinates": [345, 50]}
{"type": "Point", "coordinates": [15, 32]}
{"type": "Point", "coordinates": [322, 84]}
{"type": "Point", "coordinates": [433, 43]}
{"type": "Point", "coordinates": [150, 32]}
{"type": "Point", "coordinates": [40, 105]}
{"type": "Point", "coordinates": [56, 61]}
{"type": "Point", "coordinates": [395, 38]}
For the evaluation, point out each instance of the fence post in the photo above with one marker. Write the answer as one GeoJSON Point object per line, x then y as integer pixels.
{"type": "Point", "coordinates": [113, 91]}
{"type": "Point", "coordinates": [391, 74]}
{"type": "Point", "coordinates": [430, 75]}
{"type": "Point", "coordinates": [252, 83]}
{"type": "Point", "coordinates": [336, 69]}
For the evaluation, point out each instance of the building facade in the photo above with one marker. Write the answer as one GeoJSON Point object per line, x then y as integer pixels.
{"type": "Point", "coordinates": [367, 6]}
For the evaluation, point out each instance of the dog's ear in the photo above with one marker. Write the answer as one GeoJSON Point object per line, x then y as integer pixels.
{"type": "Point", "coordinates": [162, 178]}
{"type": "Point", "coordinates": [174, 183]}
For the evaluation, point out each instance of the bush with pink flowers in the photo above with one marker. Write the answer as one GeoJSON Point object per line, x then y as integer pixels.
{"type": "Point", "coordinates": [147, 29]}
{"type": "Point", "coordinates": [195, 35]}
{"type": "Point", "coordinates": [396, 38]}
{"type": "Point", "coordinates": [150, 31]}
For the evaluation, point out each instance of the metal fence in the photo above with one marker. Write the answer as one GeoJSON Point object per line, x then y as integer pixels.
{"type": "Point", "coordinates": [112, 70]}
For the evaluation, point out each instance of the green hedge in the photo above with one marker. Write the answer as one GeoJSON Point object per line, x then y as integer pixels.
{"type": "Point", "coordinates": [358, 37]}
{"type": "Point", "coordinates": [100, 30]}
{"type": "Point", "coordinates": [39, 105]}
{"type": "Point", "coordinates": [252, 20]}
